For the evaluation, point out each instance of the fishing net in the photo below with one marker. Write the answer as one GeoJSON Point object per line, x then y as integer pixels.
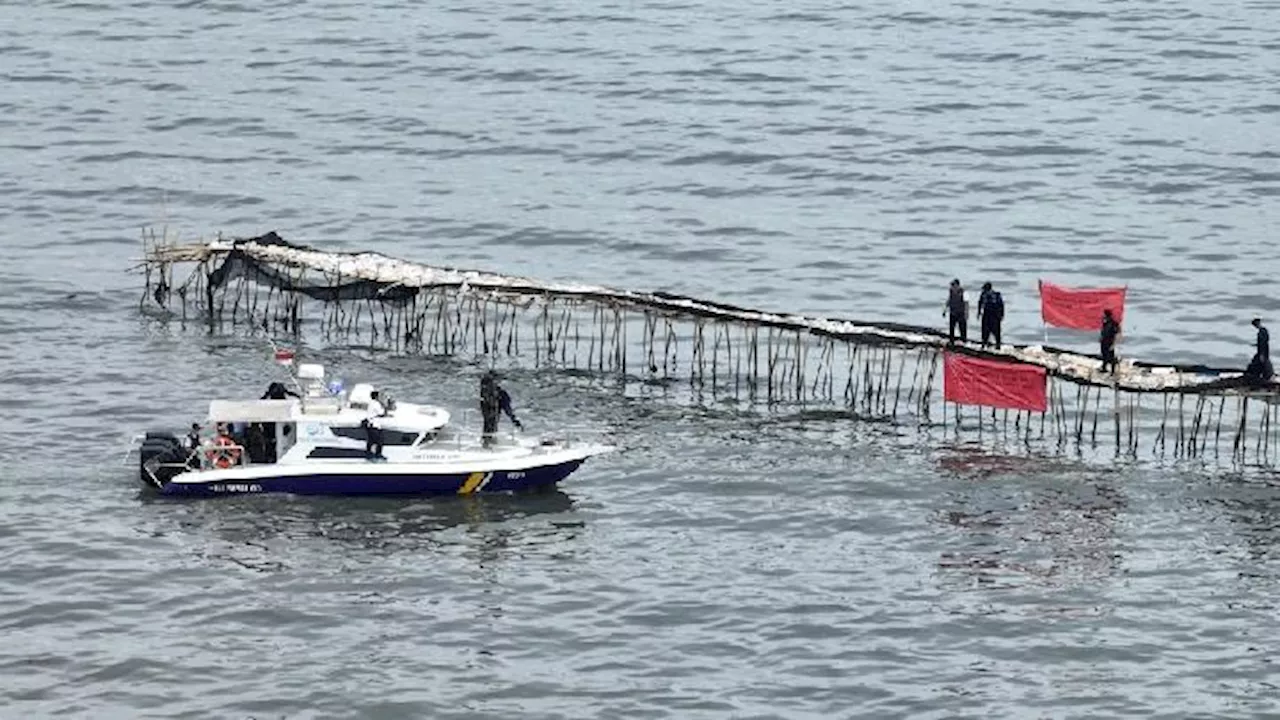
{"type": "Point", "coordinates": [240, 265]}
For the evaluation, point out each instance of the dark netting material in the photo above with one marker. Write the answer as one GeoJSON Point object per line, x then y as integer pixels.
{"type": "Point", "coordinates": [240, 265]}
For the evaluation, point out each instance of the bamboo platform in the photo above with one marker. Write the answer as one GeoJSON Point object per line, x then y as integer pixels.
{"type": "Point", "coordinates": [879, 370]}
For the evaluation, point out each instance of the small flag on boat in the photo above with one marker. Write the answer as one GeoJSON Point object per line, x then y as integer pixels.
{"type": "Point", "coordinates": [284, 356]}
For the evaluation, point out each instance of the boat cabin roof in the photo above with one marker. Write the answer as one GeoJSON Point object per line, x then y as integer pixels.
{"type": "Point", "coordinates": [416, 419]}
{"type": "Point", "coordinates": [255, 411]}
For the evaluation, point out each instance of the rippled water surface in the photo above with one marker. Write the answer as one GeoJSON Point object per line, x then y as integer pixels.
{"type": "Point", "coordinates": [846, 160]}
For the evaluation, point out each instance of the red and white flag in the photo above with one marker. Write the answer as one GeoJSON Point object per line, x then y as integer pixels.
{"type": "Point", "coordinates": [284, 356]}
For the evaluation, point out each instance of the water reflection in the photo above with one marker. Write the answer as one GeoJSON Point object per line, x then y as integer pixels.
{"type": "Point", "coordinates": [1023, 520]}
{"type": "Point", "coordinates": [1252, 509]}
{"type": "Point", "coordinates": [485, 528]}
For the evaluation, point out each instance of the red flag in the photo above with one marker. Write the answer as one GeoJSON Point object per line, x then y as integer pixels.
{"type": "Point", "coordinates": [994, 383]}
{"type": "Point", "coordinates": [1079, 308]}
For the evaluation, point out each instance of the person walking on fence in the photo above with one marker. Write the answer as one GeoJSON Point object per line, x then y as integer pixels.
{"type": "Point", "coordinates": [1110, 331]}
{"type": "Point", "coordinates": [1260, 368]}
{"type": "Point", "coordinates": [990, 314]}
{"type": "Point", "coordinates": [958, 311]}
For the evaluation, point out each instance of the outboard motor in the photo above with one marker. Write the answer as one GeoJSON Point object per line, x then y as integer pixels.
{"type": "Point", "coordinates": [163, 457]}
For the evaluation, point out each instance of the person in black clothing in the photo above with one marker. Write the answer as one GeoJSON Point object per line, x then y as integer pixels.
{"type": "Point", "coordinates": [277, 391]}
{"type": "Point", "coordinates": [990, 314]}
{"type": "Point", "coordinates": [494, 399]}
{"type": "Point", "coordinates": [1260, 368]}
{"type": "Point", "coordinates": [193, 437]}
{"type": "Point", "coordinates": [1110, 331]}
{"type": "Point", "coordinates": [263, 445]}
{"type": "Point", "coordinates": [958, 311]}
{"type": "Point", "coordinates": [256, 443]}
{"type": "Point", "coordinates": [372, 440]}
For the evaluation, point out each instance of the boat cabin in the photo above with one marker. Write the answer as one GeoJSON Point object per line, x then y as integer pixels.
{"type": "Point", "coordinates": [330, 424]}
{"type": "Point", "coordinates": [266, 429]}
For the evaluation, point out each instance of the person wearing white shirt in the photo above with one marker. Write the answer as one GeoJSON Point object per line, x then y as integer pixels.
{"type": "Point", "coordinates": [372, 428]}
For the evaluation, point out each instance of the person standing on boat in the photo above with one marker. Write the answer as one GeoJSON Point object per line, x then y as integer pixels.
{"type": "Point", "coordinates": [1260, 368]}
{"type": "Point", "coordinates": [263, 443]}
{"type": "Point", "coordinates": [277, 391]}
{"type": "Point", "coordinates": [494, 399]}
{"type": "Point", "coordinates": [372, 428]}
{"type": "Point", "coordinates": [193, 437]}
{"type": "Point", "coordinates": [1107, 339]}
{"type": "Point", "coordinates": [990, 314]}
{"type": "Point", "coordinates": [376, 408]}
{"type": "Point", "coordinates": [958, 310]}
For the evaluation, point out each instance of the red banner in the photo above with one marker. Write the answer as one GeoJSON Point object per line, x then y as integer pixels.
{"type": "Point", "coordinates": [1079, 308]}
{"type": "Point", "coordinates": [993, 383]}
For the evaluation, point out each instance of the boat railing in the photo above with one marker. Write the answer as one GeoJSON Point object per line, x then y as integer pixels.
{"type": "Point", "coordinates": [205, 454]}
{"type": "Point", "coordinates": [135, 445]}
{"type": "Point", "coordinates": [462, 432]}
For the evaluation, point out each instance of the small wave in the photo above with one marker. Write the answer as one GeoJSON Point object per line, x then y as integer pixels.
{"type": "Point", "coordinates": [542, 237]}
{"type": "Point", "coordinates": [937, 149]}
{"type": "Point", "coordinates": [44, 78]}
{"type": "Point", "coordinates": [739, 231]}
{"type": "Point", "coordinates": [1261, 109]}
{"type": "Point", "coordinates": [1197, 54]}
{"type": "Point", "coordinates": [703, 254]}
{"type": "Point", "coordinates": [723, 158]}
{"type": "Point", "coordinates": [1034, 150]}
{"type": "Point", "coordinates": [946, 107]}
{"type": "Point", "coordinates": [1187, 78]}
{"type": "Point", "coordinates": [141, 155]}
{"type": "Point", "coordinates": [912, 18]}
{"type": "Point", "coordinates": [988, 57]}
{"type": "Point", "coordinates": [1151, 142]}
{"type": "Point", "coordinates": [1129, 272]}
{"type": "Point", "coordinates": [800, 17]}
{"type": "Point", "coordinates": [1067, 14]}
{"type": "Point", "coordinates": [1166, 188]}
{"type": "Point", "coordinates": [157, 124]}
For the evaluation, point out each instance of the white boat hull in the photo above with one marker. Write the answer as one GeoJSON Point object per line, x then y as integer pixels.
{"type": "Point", "coordinates": [364, 477]}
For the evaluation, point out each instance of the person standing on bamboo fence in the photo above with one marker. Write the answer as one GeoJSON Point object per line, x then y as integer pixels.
{"type": "Point", "coordinates": [957, 310]}
{"type": "Point", "coordinates": [990, 314]}
{"type": "Point", "coordinates": [1260, 369]}
{"type": "Point", "coordinates": [1107, 338]}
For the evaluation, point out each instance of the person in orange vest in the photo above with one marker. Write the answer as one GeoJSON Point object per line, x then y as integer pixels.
{"type": "Point", "coordinates": [225, 452]}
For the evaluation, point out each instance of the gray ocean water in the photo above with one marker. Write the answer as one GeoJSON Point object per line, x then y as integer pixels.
{"type": "Point", "coordinates": [846, 160]}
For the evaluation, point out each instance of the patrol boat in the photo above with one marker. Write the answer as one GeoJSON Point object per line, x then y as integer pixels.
{"type": "Point", "coordinates": [318, 442]}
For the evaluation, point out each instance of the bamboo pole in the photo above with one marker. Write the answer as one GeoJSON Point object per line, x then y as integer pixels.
{"type": "Point", "coordinates": [1115, 412]}
{"type": "Point", "coordinates": [1164, 419]}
